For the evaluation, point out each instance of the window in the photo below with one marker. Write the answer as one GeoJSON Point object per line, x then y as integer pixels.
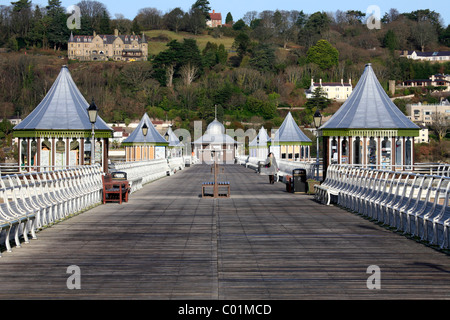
{"type": "Point", "coordinates": [372, 152]}
{"type": "Point", "coordinates": [408, 151]}
{"type": "Point", "coordinates": [283, 156]}
{"type": "Point", "coordinates": [398, 152]}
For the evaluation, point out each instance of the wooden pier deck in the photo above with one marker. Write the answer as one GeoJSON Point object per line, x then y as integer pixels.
{"type": "Point", "coordinates": [262, 243]}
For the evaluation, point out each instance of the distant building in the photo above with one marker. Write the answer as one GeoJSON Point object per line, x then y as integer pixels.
{"type": "Point", "coordinates": [338, 91]}
{"type": "Point", "coordinates": [104, 47]}
{"type": "Point", "coordinates": [423, 135]}
{"type": "Point", "coordinates": [437, 56]}
{"type": "Point", "coordinates": [423, 113]}
{"type": "Point", "coordinates": [435, 80]}
{"type": "Point", "coordinates": [14, 120]}
{"type": "Point", "coordinates": [215, 19]}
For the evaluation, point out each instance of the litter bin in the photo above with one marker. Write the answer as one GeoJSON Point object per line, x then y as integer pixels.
{"type": "Point", "coordinates": [299, 177]}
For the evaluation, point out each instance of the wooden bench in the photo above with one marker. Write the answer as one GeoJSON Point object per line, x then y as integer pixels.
{"type": "Point", "coordinates": [114, 189]}
{"type": "Point", "coordinates": [220, 185]}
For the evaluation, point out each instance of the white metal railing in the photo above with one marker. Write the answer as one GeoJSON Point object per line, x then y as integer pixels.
{"type": "Point", "coordinates": [412, 202]}
{"type": "Point", "coordinates": [35, 200]}
{"type": "Point", "coordinates": [140, 173]}
{"type": "Point", "coordinates": [285, 168]}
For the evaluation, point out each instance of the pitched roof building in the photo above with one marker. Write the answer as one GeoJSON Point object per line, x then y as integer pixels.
{"type": "Point", "coordinates": [438, 56]}
{"type": "Point", "coordinates": [104, 47]}
{"type": "Point", "coordinates": [58, 131]}
{"type": "Point", "coordinates": [289, 142]}
{"type": "Point", "coordinates": [215, 19]}
{"type": "Point", "coordinates": [369, 129]}
{"type": "Point", "coordinates": [140, 147]}
{"type": "Point", "coordinates": [338, 91]}
{"type": "Point", "coordinates": [215, 139]}
{"type": "Point", "coordinates": [259, 147]}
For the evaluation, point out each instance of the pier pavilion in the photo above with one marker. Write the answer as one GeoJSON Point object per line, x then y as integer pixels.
{"type": "Point", "coordinates": [145, 142]}
{"type": "Point", "coordinates": [289, 142]}
{"type": "Point", "coordinates": [259, 147]}
{"type": "Point", "coordinates": [369, 129]}
{"type": "Point", "coordinates": [215, 139]}
{"type": "Point", "coordinates": [175, 148]}
{"type": "Point", "coordinates": [58, 132]}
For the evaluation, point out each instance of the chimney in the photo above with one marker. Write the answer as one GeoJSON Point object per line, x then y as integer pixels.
{"type": "Point", "coordinates": [350, 81]}
{"type": "Point", "coordinates": [320, 81]}
{"type": "Point", "coordinates": [116, 32]}
{"type": "Point", "coordinates": [214, 11]}
{"type": "Point", "coordinates": [312, 82]}
{"type": "Point", "coordinates": [95, 34]}
{"type": "Point", "coordinates": [342, 82]}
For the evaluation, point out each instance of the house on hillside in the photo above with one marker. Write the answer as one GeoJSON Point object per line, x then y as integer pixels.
{"type": "Point", "coordinates": [215, 19]}
{"type": "Point", "coordinates": [104, 47]}
{"type": "Point", "coordinates": [338, 91]}
{"type": "Point", "coordinates": [436, 80]}
{"type": "Point", "coordinates": [438, 56]}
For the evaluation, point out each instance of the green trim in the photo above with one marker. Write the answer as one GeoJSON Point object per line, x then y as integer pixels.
{"type": "Point", "coordinates": [137, 144]}
{"type": "Point", "coordinates": [296, 143]}
{"type": "Point", "coordinates": [370, 132]}
{"type": "Point", "coordinates": [61, 134]}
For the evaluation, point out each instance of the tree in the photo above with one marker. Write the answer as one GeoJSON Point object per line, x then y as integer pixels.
{"type": "Point", "coordinates": [323, 54]}
{"type": "Point", "coordinates": [203, 7]}
{"type": "Point", "coordinates": [58, 33]}
{"type": "Point", "coordinates": [174, 19]}
{"type": "Point", "coordinates": [390, 41]}
{"type": "Point", "coordinates": [242, 44]}
{"type": "Point", "coordinates": [314, 29]}
{"type": "Point", "coordinates": [229, 18]}
{"type": "Point", "coordinates": [263, 57]}
{"type": "Point", "coordinates": [440, 125]}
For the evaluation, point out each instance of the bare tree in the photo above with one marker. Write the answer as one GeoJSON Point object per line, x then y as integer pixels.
{"type": "Point", "coordinates": [440, 125]}
{"type": "Point", "coordinates": [249, 17]}
{"type": "Point", "coordinates": [169, 75]}
{"type": "Point", "coordinates": [188, 73]}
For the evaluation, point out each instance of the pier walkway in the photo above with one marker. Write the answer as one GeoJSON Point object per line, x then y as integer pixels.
{"type": "Point", "coordinates": [261, 243]}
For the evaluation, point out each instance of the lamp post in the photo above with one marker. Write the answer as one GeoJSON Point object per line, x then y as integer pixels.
{"type": "Point", "coordinates": [93, 113]}
{"type": "Point", "coordinates": [317, 124]}
{"type": "Point", "coordinates": [166, 136]}
{"type": "Point", "coordinates": [257, 146]}
{"type": "Point", "coordinates": [144, 132]}
{"type": "Point", "coordinates": [216, 187]}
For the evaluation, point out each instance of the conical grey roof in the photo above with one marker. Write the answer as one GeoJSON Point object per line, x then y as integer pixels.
{"type": "Point", "coordinates": [173, 139]}
{"type": "Point", "coordinates": [153, 136]}
{"type": "Point", "coordinates": [369, 107]}
{"type": "Point", "coordinates": [290, 131]}
{"type": "Point", "coordinates": [63, 108]}
{"type": "Point", "coordinates": [263, 138]}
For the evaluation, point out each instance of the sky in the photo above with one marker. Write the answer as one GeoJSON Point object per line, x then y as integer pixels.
{"type": "Point", "coordinates": [238, 8]}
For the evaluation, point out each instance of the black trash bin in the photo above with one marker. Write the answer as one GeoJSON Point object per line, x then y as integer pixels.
{"type": "Point", "coordinates": [299, 177]}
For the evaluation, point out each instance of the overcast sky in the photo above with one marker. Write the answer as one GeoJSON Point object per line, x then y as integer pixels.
{"type": "Point", "coordinates": [239, 7]}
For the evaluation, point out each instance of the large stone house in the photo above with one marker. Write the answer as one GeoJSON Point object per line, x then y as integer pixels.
{"type": "Point", "coordinates": [105, 47]}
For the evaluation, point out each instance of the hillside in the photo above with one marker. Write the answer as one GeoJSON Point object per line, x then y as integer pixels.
{"type": "Point", "coordinates": [158, 40]}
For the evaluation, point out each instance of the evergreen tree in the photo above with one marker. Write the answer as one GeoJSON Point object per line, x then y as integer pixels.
{"type": "Point", "coordinates": [58, 33]}
{"type": "Point", "coordinates": [229, 18]}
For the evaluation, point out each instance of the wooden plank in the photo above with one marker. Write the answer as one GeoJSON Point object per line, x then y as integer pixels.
{"type": "Point", "coordinates": [261, 243]}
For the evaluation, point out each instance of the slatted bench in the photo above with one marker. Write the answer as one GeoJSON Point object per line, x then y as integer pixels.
{"type": "Point", "coordinates": [220, 185]}
{"type": "Point", "coordinates": [114, 190]}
